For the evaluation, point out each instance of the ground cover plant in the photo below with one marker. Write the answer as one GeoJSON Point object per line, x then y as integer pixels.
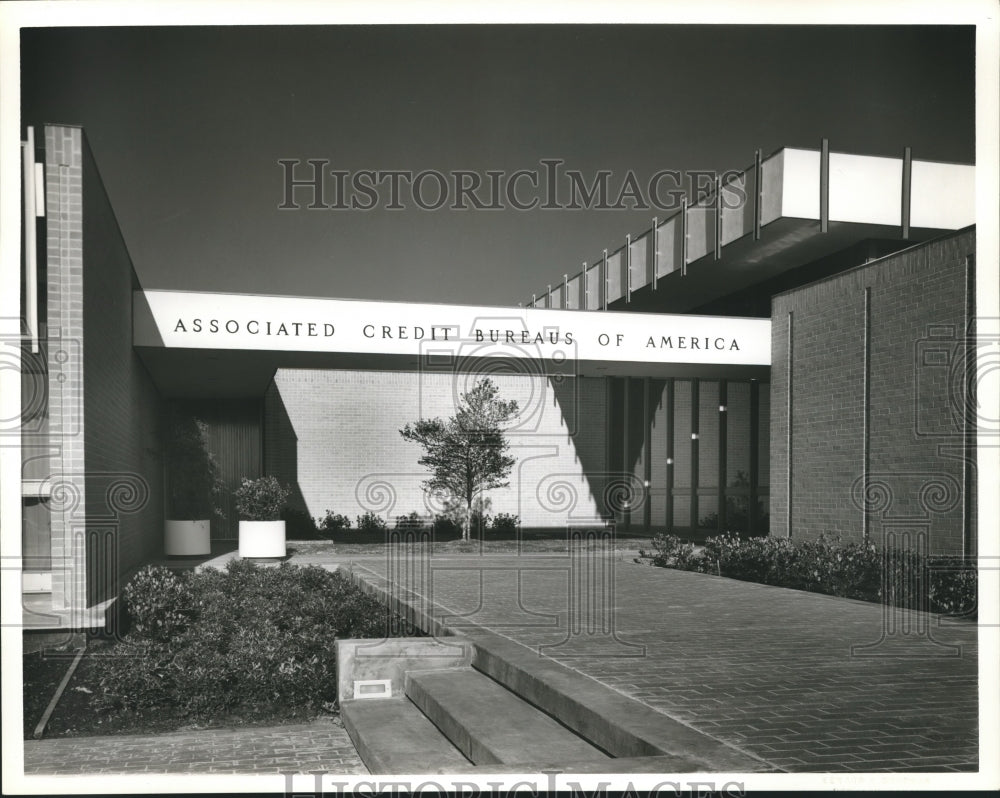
{"type": "Point", "coordinates": [250, 644]}
{"type": "Point", "coordinates": [862, 571]}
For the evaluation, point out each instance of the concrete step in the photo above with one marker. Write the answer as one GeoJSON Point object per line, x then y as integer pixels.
{"type": "Point", "coordinates": [624, 727]}
{"type": "Point", "coordinates": [491, 725]}
{"type": "Point", "coordinates": [394, 737]}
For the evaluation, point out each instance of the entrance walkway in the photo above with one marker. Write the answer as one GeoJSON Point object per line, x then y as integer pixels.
{"type": "Point", "coordinates": [804, 681]}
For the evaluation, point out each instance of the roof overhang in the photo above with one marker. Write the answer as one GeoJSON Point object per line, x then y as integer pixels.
{"type": "Point", "coordinates": [795, 207]}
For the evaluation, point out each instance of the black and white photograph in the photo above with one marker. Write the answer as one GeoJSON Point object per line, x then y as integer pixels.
{"type": "Point", "coordinates": [415, 399]}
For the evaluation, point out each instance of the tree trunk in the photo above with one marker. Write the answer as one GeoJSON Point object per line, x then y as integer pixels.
{"type": "Point", "coordinates": [468, 519]}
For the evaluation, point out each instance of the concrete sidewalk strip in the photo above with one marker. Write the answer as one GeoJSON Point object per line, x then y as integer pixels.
{"type": "Point", "coordinates": [300, 748]}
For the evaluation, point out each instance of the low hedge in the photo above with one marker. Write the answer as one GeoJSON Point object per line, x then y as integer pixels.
{"type": "Point", "coordinates": [853, 570]}
{"type": "Point", "coordinates": [245, 640]}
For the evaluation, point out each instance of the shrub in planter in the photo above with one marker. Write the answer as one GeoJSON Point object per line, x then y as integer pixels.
{"type": "Point", "coordinates": [259, 503]}
{"type": "Point", "coordinates": [260, 499]}
{"type": "Point", "coordinates": [194, 488]}
{"type": "Point", "coordinates": [194, 485]}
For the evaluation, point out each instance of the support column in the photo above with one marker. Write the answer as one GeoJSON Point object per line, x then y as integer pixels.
{"type": "Point", "coordinates": [723, 473]}
{"type": "Point", "coordinates": [626, 399]}
{"type": "Point", "coordinates": [694, 454]}
{"type": "Point", "coordinates": [670, 455]}
{"type": "Point", "coordinates": [754, 456]}
{"type": "Point", "coordinates": [647, 460]}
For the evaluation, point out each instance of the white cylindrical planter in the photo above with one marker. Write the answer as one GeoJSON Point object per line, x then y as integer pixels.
{"type": "Point", "coordinates": [187, 538]}
{"type": "Point", "coordinates": [262, 538]}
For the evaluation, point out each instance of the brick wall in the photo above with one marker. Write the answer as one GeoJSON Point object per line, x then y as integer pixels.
{"type": "Point", "coordinates": [334, 435]}
{"type": "Point", "coordinates": [903, 437]}
{"type": "Point", "coordinates": [63, 342]}
{"type": "Point", "coordinates": [123, 452]}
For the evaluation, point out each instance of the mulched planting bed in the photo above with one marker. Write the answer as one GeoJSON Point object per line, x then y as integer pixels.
{"type": "Point", "coordinates": [250, 645]}
{"type": "Point", "coordinates": [43, 671]}
{"type": "Point", "coordinates": [75, 716]}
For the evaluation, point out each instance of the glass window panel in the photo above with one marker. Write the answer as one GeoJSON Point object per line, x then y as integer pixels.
{"type": "Point", "coordinates": [738, 434]}
{"type": "Point", "coordinates": [708, 512]}
{"type": "Point", "coordinates": [682, 511]}
{"type": "Point", "coordinates": [708, 434]}
{"type": "Point", "coordinates": [36, 547]}
{"type": "Point", "coordinates": [682, 435]}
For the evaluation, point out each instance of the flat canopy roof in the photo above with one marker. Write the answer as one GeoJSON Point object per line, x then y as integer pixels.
{"type": "Point", "coordinates": [211, 344]}
{"type": "Point", "coordinates": [711, 248]}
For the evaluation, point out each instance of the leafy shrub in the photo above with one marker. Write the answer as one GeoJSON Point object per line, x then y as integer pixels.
{"type": "Point", "coordinates": [248, 639]}
{"type": "Point", "coordinates": [194, 482]}
{"type": "Point", "coordinates": [332, 523]}
{"type": "Point", "coordinates": [671, 552]}
{"type": "Point", "coordinates": [369, 522]}
{"type": "Point", "coordinates": [505, 524]}
{"type": "Point", "coordinates": [412, 521]}
{"type": "Point", "coordinates": [738, 511]}
{"type": "Point", "coordinates": [953, 586]}
{"type": "Point", "coordinates": [260, 499]}
{"type": "Point", "coordinates": [855, 570]}
{"type": "Point", "coordinates": [446, 527]}
{"type": "Point", "coordinates": [159, 603]}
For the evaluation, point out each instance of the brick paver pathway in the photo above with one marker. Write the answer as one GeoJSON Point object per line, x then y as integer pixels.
{"type": "Point", "coordinates": [767, 669]}
{"type": "Point", "coordinates": [322, 745]}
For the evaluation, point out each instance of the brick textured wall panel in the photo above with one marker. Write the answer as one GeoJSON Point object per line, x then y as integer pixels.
{"type": "Point", "coordinates": [123, 453]}
{"type": "Point", "coordinates": [914, 432]}
{"type": "Point", "coordinates": [65, 364]}
{"type": "Point", "coordinates": [335, 435]}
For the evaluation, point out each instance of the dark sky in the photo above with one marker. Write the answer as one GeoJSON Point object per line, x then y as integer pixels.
{"type": "Point", "coordinates": [188, 125]}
